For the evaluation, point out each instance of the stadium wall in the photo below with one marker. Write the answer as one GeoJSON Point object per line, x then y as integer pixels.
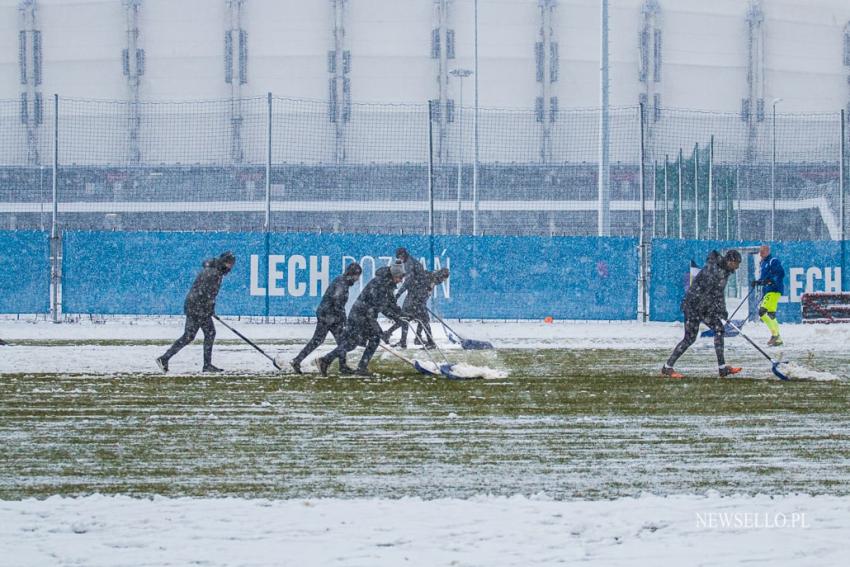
{"type": "Point", "coordinates": [704, 50]}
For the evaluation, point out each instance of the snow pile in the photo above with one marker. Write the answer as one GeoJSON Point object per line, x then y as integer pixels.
{"type": "Point", "coordinates": [796, 371]}
{"type": "Point", "coordinates": [463, 370]}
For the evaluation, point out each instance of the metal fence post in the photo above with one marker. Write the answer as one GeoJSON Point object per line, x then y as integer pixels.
{"type": "Point", "coordinates": [696, 191]}
{"type": "Point", "coordinates": [738, 197]}
{"type": "Point", "coordinates": [712, 218]}
{"type": "Point", "coordinates": [841, 181]}
{"type": "Point", "coordinates": [842, 198]}
{"type": "Point", "coordinates": [55, 241]}
{"type": "Point", "coordinates": [268, 217]}
{"type": "Point", "coordinates": [642, 238]}
{"type": "Point", "coordinates": [681, 200]}
{"type": "Point", "coordinates": [666, 202]}
{"type": "Point", "coordinates": [430, 185]}
{"type": "Point", "coordinates": [654, 198]}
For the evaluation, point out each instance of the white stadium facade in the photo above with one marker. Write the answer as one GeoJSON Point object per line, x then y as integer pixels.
{"type": "Point", "coordinates": [164, 82]}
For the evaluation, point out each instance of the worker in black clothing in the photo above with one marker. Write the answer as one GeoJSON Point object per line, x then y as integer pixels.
{"type": "Point", "coordinates": [705, 302]}
{"type": "Point", "coordinates": [419, 287]}
{"type": "Point", "coordinates": [362, 327]}
{"type": "Point", "coordinates": [412, 268]}
{"type": "Point", "coordinates": [199, 308]}
{"type": "Point", "coordinates": [330, 315]}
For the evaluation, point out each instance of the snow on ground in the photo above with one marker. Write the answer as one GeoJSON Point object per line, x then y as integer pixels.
{"type": "Point", "coordinates": [284, 339]}
{"type": "Point", "coordinates": [489, 531]}
{"type": "Point", "coordinates": [508, 334]}
{"type": "Point", "coordinates": [485, 530]}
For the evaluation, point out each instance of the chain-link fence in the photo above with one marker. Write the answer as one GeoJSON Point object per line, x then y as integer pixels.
{"type": "Point", "coordinates": [278, 164]}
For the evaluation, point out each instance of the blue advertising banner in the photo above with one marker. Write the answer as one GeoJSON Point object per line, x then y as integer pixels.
{"type": "Point", "coordinates": [285, 274]}
{"type": "Point", "coordinates": [809, 266]}
{"type": "Point", "coordinates": [529, 277]}
{"type": "Point", "coordinates": [149, 273]}
{"type": "Point", "coordinates": [25, 276]}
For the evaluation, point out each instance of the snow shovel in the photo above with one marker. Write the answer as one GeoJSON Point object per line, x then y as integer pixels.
{"type": "Point", "coordinates": [446, 368]}
{"type": "Point", "coordinates": [773, 362]}
{"type": "Point", "coordinates": [247, 340]}
{"type": "Point", "coordinates": [733, 327]}
{"type": "Point", "coordinates": [466, 344]}
{"type": "Point", "coordinates": [414, 363]}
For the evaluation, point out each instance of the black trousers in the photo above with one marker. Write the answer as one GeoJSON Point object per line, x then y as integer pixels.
{"type": "Point", "coordinates": [692, 330]}
{"type": "Point", "coordinates": [417, 313]}
{"type": "Point", "coordinates": [323, 327]}
{"type": "Point", "coordinates": [369, 338]}
{"type": "Point", "coordinates": [194, 322]}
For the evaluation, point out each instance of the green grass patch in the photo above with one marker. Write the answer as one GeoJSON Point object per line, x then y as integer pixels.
{"type": "Point", "coordinates": [571, 424]}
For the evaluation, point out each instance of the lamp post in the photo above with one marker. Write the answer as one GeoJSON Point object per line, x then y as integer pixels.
{"type": "Point", "coordinates": [773, 175]}
{"type": "Point", "coordinates": [460, 74]}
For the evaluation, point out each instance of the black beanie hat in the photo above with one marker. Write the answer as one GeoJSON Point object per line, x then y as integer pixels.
{"type": "Point", "coordinates": [353, 269]}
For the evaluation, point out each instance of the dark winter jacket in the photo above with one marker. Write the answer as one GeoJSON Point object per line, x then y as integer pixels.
{"type": "Point", "coordinates": [706, 298]}
{"type": "Point", "coordinates": [413, 268]}
{"type": "Point", "coordinates": [419, 287]}
{"type": "Point", "coordinates": [332, 307]}
{"type": "Point", "coordinates": [771, 275]}
{"type": "Point", "coordinates": [377, 297]}
{"type": "Point", "coordinates": [200, 301]}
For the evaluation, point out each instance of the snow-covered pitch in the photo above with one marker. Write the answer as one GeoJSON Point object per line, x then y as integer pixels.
{"type": "Point", "coordinates": [575, 451]}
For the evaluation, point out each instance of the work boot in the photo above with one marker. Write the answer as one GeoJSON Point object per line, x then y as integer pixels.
{"type": "Point", "coordinates": [211, 369]}
{"type": "Point", "coordinates": [362, 371]}
{"type": "Point", "coordinates": [417, 341]}
{"type": "Point", "coordinates": [346, 370]}
{"type": "Point", "coordinates": [400, 344]}
{"type": "Point", "coordinates": [323, 366]}
{"type": "Point", "coordinates": [775, 341]}
{"type": "Point", "coordinates": [296, 366]}
{"type": "Point", "coordinates": [670, 373]}
{"type": "Point", "coordinates": [727, 370]}
{"type": "Point", "coordinates": [162, 362]}
{"type": "Point", "coordinates": [429, 345]}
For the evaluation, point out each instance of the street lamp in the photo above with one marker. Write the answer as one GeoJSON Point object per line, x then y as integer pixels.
{"type": "Point", "coordinates": [773, 176]}
{"type": "Point", "coordinates": [460, 74]}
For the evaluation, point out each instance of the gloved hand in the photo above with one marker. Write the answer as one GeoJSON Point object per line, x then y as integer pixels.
{"type": "Point", "coordinates": [754, 283]}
